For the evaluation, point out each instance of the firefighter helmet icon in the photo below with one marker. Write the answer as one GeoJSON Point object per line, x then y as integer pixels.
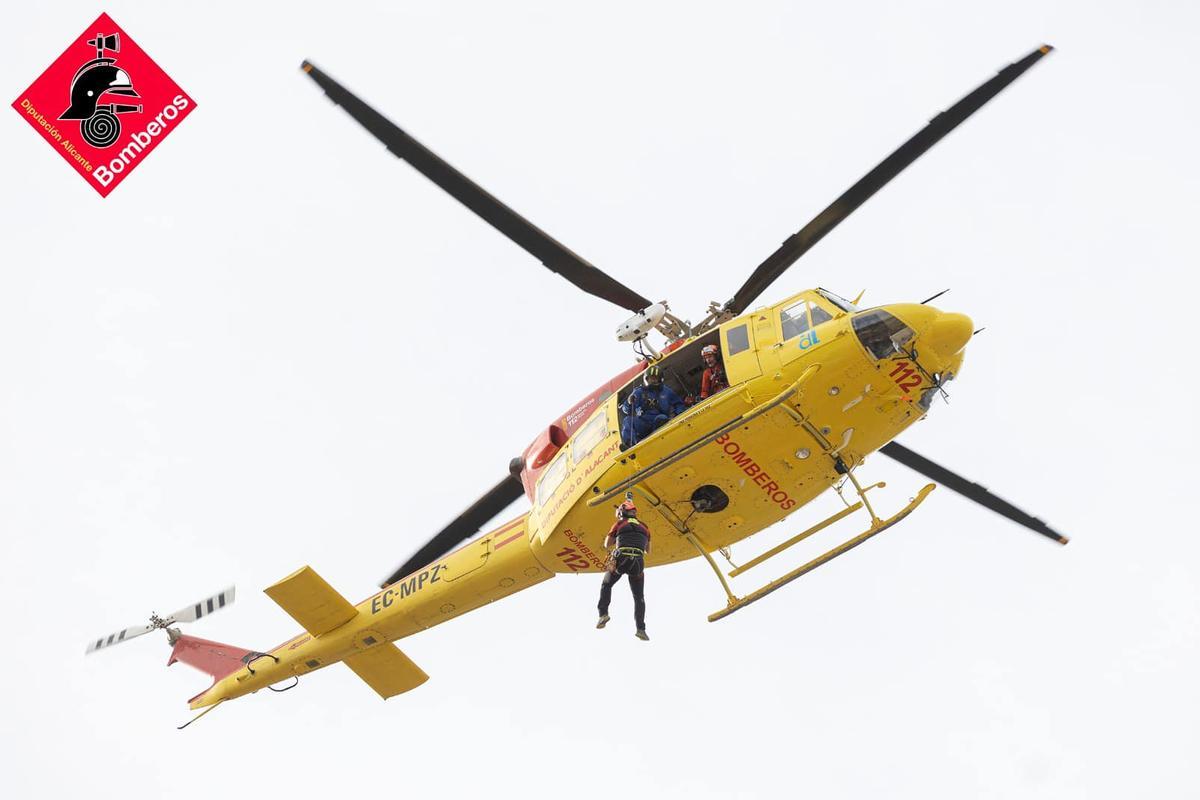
{"type": "Point", "coordinates": [95, 79]}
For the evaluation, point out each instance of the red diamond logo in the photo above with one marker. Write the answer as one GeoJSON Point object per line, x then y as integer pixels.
{"type": "Point", "coordinates": [104, 104]}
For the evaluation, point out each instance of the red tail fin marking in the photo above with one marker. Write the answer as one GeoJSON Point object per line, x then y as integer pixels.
{"type": "Point", "coordinates": [214, 658]}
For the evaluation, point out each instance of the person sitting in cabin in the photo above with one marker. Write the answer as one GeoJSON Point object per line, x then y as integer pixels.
{"type": "Point", "coordinates": [647, 407]}
{"type": "Point", "coordinates": [714, 379]}
{"type": "Point", "coordinates": [632, 540]}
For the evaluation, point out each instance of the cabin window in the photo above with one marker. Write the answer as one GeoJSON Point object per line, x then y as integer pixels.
{"type": "Point", "coordinates": [796, 319]}
{"type": "Point", "coordinates": [551, 479]}
{"type": "Point", "coordinates": [589, 436]}
{"type": "Point", "coordinates": [739, 339]}
{"type": "Point", "coordinates": [882, 334]}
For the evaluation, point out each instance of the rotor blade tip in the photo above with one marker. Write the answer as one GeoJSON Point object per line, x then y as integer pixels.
{"type": "Point", "coordinates": [306, 65]}
{"type": "Point", "coordinates": [1063, 540]}
{"type": "Point", "coordinates": [1046, 48]}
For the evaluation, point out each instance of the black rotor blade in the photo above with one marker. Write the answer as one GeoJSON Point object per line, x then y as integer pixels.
{"type": "Point", "coordinates": [969, 490]}
{"type": "Point", "coordinates": [534, 240]}
{"type": "Point", "coordinates": [467, 524]}
{"type": "Point", "coordinates": [800, 242]}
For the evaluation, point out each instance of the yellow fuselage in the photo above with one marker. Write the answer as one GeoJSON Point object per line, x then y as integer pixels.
{"type": "Point", "coordinates": [768, 467]}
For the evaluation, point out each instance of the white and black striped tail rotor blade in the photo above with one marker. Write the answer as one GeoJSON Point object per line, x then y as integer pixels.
{"type": "Point", "coordinates": [188, 614]}
{"type": "Point", "coordinates": [204, 607]}
{"type": "Point", "coordinates": [117, 638]}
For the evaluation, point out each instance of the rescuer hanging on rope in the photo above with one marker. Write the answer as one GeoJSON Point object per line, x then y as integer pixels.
{"type": "Point", "coordinates": [632, 541]}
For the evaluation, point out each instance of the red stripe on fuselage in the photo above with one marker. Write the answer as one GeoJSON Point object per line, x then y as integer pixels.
{"type": "Point", "coordinates": [512, 538]}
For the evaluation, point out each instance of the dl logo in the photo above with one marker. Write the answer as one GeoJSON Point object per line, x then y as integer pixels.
{"type": "Point", "coordinates": [104, 105]}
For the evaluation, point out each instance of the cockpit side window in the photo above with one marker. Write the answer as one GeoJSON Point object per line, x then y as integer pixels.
{"type": "Point", "coordinates": [798, 318]}
{"type": "Point", "coordinates": [794, 319]}
{"type": "Point", "coordinates": [882, 334]}
{"type": "Point", "coordinates": [589, 436]}
{"type": "Point", "coordinates": [552, 478]}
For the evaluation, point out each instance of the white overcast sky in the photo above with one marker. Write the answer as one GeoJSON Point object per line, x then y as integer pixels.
{"type": "Point", "coordinates": [276, 345]}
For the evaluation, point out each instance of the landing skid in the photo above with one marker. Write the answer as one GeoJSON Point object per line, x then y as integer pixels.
{"type": "Point", "coordinates": [877, 526]}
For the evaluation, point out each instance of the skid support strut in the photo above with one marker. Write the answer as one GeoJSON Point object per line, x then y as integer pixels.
{"type": "Point", "coordinates": [691, 537]}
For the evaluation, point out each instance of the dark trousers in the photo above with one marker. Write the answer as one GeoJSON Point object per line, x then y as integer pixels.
{"type": "Point", "coordinates": [631, 566]}
{"type": "Point", "coordinates": [634, 428]}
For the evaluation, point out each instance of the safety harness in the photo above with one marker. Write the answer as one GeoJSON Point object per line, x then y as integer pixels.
{"type": "Point", "coordinates": [626, 550]}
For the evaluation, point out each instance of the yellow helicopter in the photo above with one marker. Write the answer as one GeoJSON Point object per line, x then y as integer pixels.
{"type": "Point", "coordinates": [814, 385]}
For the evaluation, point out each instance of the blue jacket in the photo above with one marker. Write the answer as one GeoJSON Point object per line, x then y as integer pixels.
{"type": "Point", "coordinates": [644, 401]}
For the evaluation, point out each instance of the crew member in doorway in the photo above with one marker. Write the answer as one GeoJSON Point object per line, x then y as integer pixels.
{"type": "Point", "coordinates": [714, 379]}
{"type": "Point", "coordinates": [632, 541]}
{"type": "Point", "coordinates": [647, 407]}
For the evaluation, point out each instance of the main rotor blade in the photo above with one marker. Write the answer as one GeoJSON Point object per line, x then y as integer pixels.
{"type": "Point", "coordinates": [969, 490]}
{"type": "Point", "coordinates": [533, 239]}
{"type": "Point", "coordinates": [467, 524]}
{"type": "Point", "coordinates": [800, 242]}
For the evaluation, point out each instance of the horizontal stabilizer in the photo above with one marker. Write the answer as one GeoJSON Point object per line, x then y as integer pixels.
{"type": "Point", "coordinates": [387, 670]}
{"type": "Point", "coordinates": [311, 601]}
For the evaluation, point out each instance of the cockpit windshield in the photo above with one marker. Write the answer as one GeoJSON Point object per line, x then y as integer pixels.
{"type": "Point", "coordinates": [840, 302]}
{"type": "Point", "coordinates": [882, 334]}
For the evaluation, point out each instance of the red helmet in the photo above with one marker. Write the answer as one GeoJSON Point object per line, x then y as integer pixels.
{"type": "Point", "coordinates": [627, 510]}
{"type": "Point", "coordinates": [709, 350]}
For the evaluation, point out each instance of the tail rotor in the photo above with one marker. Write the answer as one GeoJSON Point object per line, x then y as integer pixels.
{"type": "Point", "coordinates": [189, 613]}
